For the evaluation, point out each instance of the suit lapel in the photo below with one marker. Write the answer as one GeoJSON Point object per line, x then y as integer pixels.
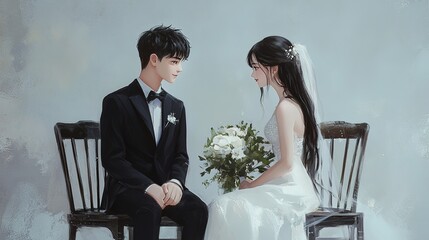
{"type": "Point", "coordinates": [167, 109]}
{"type": "Point", "coordinates": [138, 99]}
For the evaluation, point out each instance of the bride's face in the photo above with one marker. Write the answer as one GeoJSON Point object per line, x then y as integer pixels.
{"type": "Point", "coordinates": [259, 73]}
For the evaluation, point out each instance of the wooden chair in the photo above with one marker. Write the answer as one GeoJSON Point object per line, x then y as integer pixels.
{"type": "Point", "coordinates": [347, 143]}
{"type": "Point", "coordinates": [79, 149]}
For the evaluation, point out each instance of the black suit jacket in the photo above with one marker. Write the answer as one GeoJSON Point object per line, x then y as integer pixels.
{"type": "Point", "coordinates": [128, 149]}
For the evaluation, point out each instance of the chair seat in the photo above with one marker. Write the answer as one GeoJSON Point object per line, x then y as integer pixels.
{"type": "Point", "coordinates": [95, 217]}
{"type": "Point", "coordinates": [334, 218]}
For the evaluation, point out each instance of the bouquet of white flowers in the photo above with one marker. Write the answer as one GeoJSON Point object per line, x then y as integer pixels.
{"type": "Point", "coordinates": [235, 152]}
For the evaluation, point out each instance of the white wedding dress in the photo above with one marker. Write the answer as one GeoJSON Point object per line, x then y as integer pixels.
{"type": "Point", "coordinates": [275, 210]}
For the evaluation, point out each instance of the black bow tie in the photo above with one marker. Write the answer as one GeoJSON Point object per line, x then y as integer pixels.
{"type": "Point", "coordinates": [152, 95]}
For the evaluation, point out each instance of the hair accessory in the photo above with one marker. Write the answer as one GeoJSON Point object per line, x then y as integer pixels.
{"type": "Point", "coordinates": [291, 53]}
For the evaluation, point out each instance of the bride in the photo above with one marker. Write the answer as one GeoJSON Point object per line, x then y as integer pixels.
{"type": "Point", "coordinates": [274, 205]}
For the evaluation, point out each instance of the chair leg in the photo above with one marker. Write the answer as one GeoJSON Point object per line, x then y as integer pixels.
{"type": "Point", "coordinates": [360, 228]}
{"type": "Point", "coordinates": [130, 233]}
{"type": "Point", "coordinates": [352, 231]}
{"type": "Point", "coordinates": [179, 233]}
{"type": "Point", "coordinates": [311, 233]}
{"type": "Point", "coordinates": [316, 232]}
{"type": "Point", "coordinates": [117, 231]}
{"type": "Point", "coordinates": [72, 232]}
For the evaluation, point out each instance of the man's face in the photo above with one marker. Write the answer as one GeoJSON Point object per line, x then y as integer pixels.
{"type": "Point", "coordinates": [169, 68]}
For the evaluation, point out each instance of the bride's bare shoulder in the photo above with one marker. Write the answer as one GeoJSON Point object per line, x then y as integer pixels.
{"type": "Point", "coordinates": [288, 107]}
{"type": "Point", "coordinates": [289, 113]}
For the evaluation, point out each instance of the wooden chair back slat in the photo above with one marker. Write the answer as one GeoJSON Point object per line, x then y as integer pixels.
{"type": "Point", "coordinates": [79, 176]}
{"type": "Point", "coordinates": [64, 164]}
{"type": "Point", "coordinates": [343, 170]}
{"type": "Point", "coordinates": [347, 144]}
{"type": "Point", "coordinates": [97, 169]}
{"type": "Point", "coordinates": [350, 180]}
{"type": "Point", "coordinates": [78, 145]}
{"type": "Point", "coordinates": [331, 171]}
{"type": "Point", "coordinates": [88, 170]}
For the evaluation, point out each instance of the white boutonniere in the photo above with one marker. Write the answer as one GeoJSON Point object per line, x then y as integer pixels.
{"type": "Point", "coordinates": [171, 119]}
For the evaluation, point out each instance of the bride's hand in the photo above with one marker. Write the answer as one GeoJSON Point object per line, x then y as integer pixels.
{"type": "Point", "coordinates": [245, 184]}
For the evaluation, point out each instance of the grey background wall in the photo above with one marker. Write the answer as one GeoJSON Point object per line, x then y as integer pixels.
{"type": "Point", "coordinates": [58, 59]}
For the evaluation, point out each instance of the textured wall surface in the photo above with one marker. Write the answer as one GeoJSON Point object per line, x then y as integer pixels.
{"type": "Point", "coordinates": [58, 59]}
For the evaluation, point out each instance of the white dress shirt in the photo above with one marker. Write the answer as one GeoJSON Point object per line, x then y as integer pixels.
{"type": "Point", "coordinates": [155, 109]}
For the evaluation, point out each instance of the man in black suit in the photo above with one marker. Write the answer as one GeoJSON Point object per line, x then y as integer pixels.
{"type": "Point", "coordinates": [143, 143]}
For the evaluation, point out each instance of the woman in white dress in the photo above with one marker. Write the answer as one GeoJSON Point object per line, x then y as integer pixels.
{"type": "Point", "coordinates": [273, 206]}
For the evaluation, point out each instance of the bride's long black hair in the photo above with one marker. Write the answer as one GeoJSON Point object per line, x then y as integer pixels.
{"type": "Point", "coordinates": [273, 51]}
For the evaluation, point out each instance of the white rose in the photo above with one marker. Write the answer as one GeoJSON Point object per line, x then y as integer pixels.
{"type": "Point", "coordinates": [236, 142]}
{"type": "Point", "coordinates": [222, 150]}
{"type": "Point", "coordinates": [221, 140]}
{"type": "Point", "coordinates": [221, 145]}
{"type": "Point", "coordinates": [237, 153]}
{"type": "Point", "coordinates": [232, 131]}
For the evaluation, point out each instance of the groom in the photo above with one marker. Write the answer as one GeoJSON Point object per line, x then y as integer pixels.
{"type": "Point", "coordinates": [143, 143]}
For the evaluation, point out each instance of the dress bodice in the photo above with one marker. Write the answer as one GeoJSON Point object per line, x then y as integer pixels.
{"type": "Point", "coordinates": [272, 135]}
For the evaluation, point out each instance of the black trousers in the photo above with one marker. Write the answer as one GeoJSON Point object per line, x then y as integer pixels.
{"type": "Point", "coordinates": [191, 212]}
